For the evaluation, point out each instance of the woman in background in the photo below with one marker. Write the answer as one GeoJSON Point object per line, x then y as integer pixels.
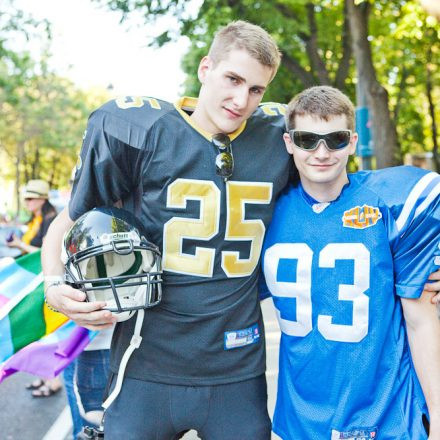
{"type": "Point", "coordinates": [36, 198]}
{"type": "Point", "coordinates": [36, 195]}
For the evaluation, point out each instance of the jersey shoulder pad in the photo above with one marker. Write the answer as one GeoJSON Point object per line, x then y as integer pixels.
{"type": "Point", "coordinates": [130, 118]}
{"type": "Point", "coordinates": [270, 112]}
{"type": "Point", "coordinates": [407, 191]}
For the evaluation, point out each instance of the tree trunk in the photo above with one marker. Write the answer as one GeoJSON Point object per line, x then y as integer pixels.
{"type": "Point", "coordinates": [293, 66]}
{"type": "Point", "coordinates": [17, 177]}
{"type": "Point", "coordinates": [384, 133]}
{"type": "Point", "coordinates": [344, 65]}
{"type": "Point", "coordinates": [435, 152]}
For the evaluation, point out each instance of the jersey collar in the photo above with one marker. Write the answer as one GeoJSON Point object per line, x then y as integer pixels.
{"type": "Point", "coordinates": [185, 104]}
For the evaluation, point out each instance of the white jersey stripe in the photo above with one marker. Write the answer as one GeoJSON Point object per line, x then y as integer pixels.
{"type": "Point", "coordinates": [412, 199]}
{"type": "Point", "coordinates": [431, 196]}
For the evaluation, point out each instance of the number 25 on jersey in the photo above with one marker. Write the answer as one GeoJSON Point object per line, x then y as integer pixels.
{"type": "Point", "coordinates": [207, 226]}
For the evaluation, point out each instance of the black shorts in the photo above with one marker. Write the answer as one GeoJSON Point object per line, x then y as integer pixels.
{"type": "Point", "coordinates": [155, 411]}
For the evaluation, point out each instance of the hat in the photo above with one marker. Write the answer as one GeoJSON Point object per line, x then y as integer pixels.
{"type": "Point", "coordinates": [36, 189]}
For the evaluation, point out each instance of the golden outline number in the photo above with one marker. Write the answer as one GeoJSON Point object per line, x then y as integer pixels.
{"type": "Point", "coordinates": [203, 228]}
{"type": "Point", "coordinates": [238, 194]}
{"type": "Point", "coordinates": [126, 102]}
{"type": "Point", "coordinates": [273, 108]}
{"type": "Point", "coordinates": [206, 226]}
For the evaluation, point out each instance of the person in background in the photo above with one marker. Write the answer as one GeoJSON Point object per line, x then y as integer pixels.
{"type": "Point", "coordinates": [36, 198]}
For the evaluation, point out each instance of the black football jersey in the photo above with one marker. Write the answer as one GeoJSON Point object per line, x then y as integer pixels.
{"type": "Point", "coordinates": [148, 153]}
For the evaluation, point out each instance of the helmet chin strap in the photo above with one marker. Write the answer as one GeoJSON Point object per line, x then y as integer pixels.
{"type": "Point", "coordinates": [135, 342]}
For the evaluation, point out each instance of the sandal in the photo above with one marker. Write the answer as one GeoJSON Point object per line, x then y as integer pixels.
{"type": "Point", "coordinates": [45, 391]}
{"type": "Point", "coordinates": [37, 383]}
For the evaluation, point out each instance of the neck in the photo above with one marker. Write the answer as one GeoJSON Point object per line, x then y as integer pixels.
{"type": "Point", "coordinates": [197, 119]}
{"type": "Point", "coordinates": [324, 191]}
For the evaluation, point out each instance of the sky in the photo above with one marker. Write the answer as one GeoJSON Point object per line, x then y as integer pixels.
{"type": "Point", "coordinates": [92, 48]}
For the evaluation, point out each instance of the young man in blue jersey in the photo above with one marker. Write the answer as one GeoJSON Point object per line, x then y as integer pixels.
{"type": "Point", "coordinates": [196, 175]}
{"type": "Point", "coordinates": [345, 259]}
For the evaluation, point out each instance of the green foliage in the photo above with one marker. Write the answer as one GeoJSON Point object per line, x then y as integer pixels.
{"type": "Point", "coordinates": [311, 34]}
{"type": "Point", "coordinates": [43, 115]}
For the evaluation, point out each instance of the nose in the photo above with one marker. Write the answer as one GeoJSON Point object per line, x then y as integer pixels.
{"type": "Point", "coordinates": [322, 151]}
{"type": "Point", "coordinates": [240, 98]}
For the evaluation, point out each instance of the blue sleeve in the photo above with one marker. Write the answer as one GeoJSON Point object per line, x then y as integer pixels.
{"type": "Point", "coordinates": [416, 249]}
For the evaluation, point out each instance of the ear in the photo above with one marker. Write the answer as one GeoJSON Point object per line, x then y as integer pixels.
{"type": "Point", "coordinates": [288, 142]}
{"type": "Point", "coordinates": [353, 143]}
{"type": "Point", "coordinates": [204, 67]}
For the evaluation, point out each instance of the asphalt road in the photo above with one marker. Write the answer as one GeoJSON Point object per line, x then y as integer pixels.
{"type": "Point", "coordinates": [23, 417]}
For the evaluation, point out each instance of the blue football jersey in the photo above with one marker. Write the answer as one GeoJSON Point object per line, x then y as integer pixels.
{"type": "Point", "coordinates": [336, 272]}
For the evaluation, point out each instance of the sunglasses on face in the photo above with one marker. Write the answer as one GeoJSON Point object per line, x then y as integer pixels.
{"type": "Point", "coordinates": [309, 140]}
{"type": "Point", "coordinates": [224, 161]}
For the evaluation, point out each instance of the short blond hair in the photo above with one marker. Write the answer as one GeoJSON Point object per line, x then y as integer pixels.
{"type": "Point", "coordinates": [322, 102]}
{"type": "Point", "coordinates": [250, 37]}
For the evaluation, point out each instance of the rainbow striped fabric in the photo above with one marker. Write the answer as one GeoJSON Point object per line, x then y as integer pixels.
{"type": "Point", "coordinates": [32, 337]}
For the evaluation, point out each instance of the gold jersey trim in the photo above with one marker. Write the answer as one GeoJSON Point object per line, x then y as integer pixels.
{"type": "Point", "coordinates": [187, 103]}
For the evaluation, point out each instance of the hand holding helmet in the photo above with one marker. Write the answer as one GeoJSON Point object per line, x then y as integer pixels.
{"type": "Point", "coordinates": [107, 256]}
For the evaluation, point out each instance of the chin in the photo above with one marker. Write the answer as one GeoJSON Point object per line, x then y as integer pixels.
{"type": "Point", "coordinates": [227, 127]}
{"type": "Point", "coordinates": [321, 178]}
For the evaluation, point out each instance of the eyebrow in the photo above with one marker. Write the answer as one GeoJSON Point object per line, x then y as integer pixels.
{"type": "Point", "coordinates": [256, 86]}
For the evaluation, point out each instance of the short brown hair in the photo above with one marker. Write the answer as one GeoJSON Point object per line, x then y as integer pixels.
{"type": "Point", "coordinates": [322, 102]}
{"type": "Point", "coordinates": [250, 37]}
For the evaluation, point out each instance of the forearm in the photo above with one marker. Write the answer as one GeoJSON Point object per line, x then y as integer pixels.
{"type": "Point", "coordinates": [51, 250]}
{"type": "Point", "coordinates": [423, 328]}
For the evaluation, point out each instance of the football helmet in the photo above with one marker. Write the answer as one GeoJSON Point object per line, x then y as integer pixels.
{"type": "Point", "coordinates": [106, 255]}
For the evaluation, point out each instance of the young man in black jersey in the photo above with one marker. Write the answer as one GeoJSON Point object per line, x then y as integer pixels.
{"type": "Point", "coordinates": [201, 362]}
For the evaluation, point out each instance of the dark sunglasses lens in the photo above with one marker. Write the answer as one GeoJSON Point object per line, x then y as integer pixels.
{"type": "Point", "coordinates": [221, 141]}
{"type": "Point", "coordinates": [337, 140]}
{"type": "Point", "coordinates": [305, 140]}
{"type": "Point", "coordinates": [224, 164]}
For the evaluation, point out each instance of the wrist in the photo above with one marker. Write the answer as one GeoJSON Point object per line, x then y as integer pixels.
{"type": "Point", "coordinates": [48, 279]}
{"type": "Point", "coordinates": [51, 281]}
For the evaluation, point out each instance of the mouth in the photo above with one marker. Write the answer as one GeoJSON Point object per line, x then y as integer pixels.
{"type": "Point", "coordinates": [322, 166]}
{"type": "Point", "coordinates": [231, 113]}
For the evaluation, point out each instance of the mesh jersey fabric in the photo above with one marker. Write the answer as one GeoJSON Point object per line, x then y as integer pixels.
{"type": "Point", "coordinates": [209, 231]}
{"type": "Point", "coordinates": [335, 272]}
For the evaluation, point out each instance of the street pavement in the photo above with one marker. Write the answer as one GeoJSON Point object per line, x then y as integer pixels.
{"type": "Point", "coordinates": [23, 417]}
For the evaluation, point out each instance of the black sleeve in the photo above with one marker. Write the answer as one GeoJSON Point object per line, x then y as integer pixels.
{"type": "Point", "coordinates": [108, 169]}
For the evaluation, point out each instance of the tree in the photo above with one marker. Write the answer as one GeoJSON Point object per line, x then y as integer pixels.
{"type": "Point", "coordinates": [319, 40]}
{"type": "Point", "coordinates": [384, 129]}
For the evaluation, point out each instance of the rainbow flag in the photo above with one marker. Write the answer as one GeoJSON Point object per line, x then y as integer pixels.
{"type": "Point", "coordinates": [32, 337]}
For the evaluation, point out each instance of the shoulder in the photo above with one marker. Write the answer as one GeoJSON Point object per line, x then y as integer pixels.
{"type": "Point", "coordinates": [128, 119]}
{"type": "Point", "coordinates": [395, 185]}
{"type": "Point", "coordinates": [287, 200]}
{"type": "Point", "coordinates": [270, 113]}
{"type": "Point", "coordinates": [406, 191]}
{"type": "Point", "coordinates": [141, 111]}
